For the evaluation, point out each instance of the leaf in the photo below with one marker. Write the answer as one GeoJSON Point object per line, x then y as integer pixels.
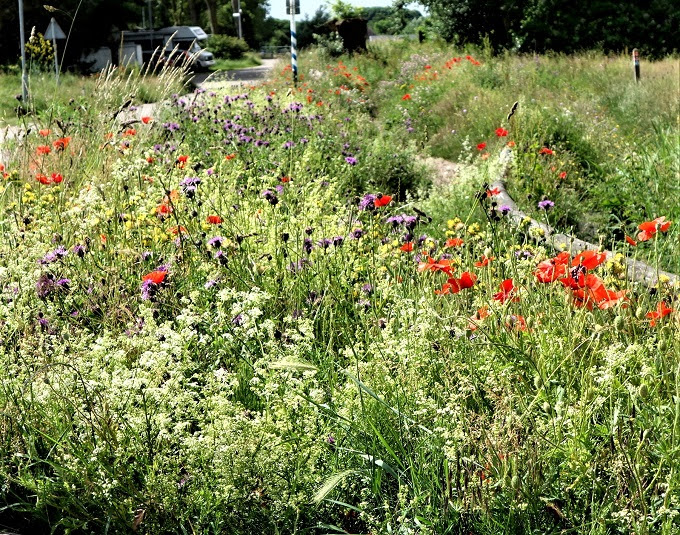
{"type": "Point", "coordinates": [330, 484]}
{"type": "Point", "coordinates": [296, 365]}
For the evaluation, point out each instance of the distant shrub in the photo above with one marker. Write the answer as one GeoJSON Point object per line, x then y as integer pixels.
{"type": "Point", "coordinates": [227, 47]}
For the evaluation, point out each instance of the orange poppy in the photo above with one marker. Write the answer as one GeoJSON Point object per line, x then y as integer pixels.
{"type": "Point", "coordinates": [43, 179]}
{"type": "Point", "coordinates": [478, 316]}
{"type": "Point", "coordinates": [481, 146]}
{"type": "Point", "coordinates": [661, 310]}
{"type": "Point", "coordinates": [406, 97]}
{"type": "Point", "coordinates": [493, 192]}
{"type": "Point", "coordinates": [44, 132]}
{"type": "Point", "coordinates": [454, 242]}
{"type": "Point", "coordinates": [431, 264]}
{"type": "Point", "coordinates": [57, 178]}
{"type": "Point", "coordinates": [61, 143]}
{"type": "Point", "coordinates": [484, 261]}
{"type": "Point", "coordinates": [407, 247]}
{"type": "Point", "coordinates": [516, 322]}
{"type": "Point", "coordinates": [382, 200]}
{"type": "Point", "coordinates": [146, 120]}
{"type": "Point", "coordinates": [650, 228]}
{"type": "Point", "coordinates": [43, 149]}
{"type": "Point", "coordinates": [214, 219]}
{"type": "Point", "coordinates": [453, 285]}
{"type": "Point", "coordinates": [589, 259]}
{"type": "Point", "coordinates": [157, 277]}
{"type": "Point", "coordinates": [546, 150]}
{"type": "Point", "coordinates": [552, 269]}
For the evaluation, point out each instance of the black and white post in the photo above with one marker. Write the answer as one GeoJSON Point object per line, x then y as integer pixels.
{"type": "Point", "coordinates": [293, 43]}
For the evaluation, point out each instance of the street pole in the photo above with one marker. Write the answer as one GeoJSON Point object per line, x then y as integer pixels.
{"type": "Point", "coordinates": [24, 76]}
{"type": "Point", "coordinates": [293, 43]}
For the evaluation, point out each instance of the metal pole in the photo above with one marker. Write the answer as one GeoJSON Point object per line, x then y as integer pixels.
{"type": "Point", "coordinates": [24, 76]}
{"type": "Point", "coordinates": [293, 43]}
{"type": "Point", "coordinates": [56, 65]}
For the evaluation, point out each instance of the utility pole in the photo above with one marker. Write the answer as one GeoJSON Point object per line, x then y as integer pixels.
{"type": "Point", "coordinates": [236, 8]}
{"type": "Point", "coordinates": [24, 76]}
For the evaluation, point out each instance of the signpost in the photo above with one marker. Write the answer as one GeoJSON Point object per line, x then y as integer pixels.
{"type": "Point", "coordinates": [293, 8]}
{"type": "Point", "coordinates": [236, 7]}
{"type": "Point", "coordinates": [53, 33]}
{"type": "Point", "coordinates": [24, 77]}
{"type": "Point", "coordinates": [636, 64]}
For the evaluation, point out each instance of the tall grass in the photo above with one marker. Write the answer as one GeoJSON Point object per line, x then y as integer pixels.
{"type": "Point", "coordinates": [234, 318]}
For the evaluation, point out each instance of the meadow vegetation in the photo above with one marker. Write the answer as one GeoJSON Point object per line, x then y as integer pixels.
{"type": "Point", "coordinates": [252, 313]}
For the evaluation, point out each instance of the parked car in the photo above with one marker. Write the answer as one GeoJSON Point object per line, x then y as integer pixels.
{"type": "Point", "coordinates": [171, 45]}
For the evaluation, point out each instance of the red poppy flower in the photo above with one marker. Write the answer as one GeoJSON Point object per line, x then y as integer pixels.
{"type": "Point", "coordinates": [177, 230]}
{"type": "Point", "coordinates": [431, 264]}
{"type": "Point", "coordinates": [407, 247]}
{"type": "Point", "coordinates": [57, 178]}
{"type": "Point", "coordinates": [150, 159]}
{"type": "Point", "coordinates": [493, 192]}
{"type": "Point", "coordinates": [43, 149]}
{"type": "Point", "coordinates": [454, 242]}
{"type": "Point", "coordinates": [563, 175]}
{"type": "Point", "coordinates": [650, 228]}
{"type": "Point", "coordinates": [382, 200]}
{"type": "Point", "coordinates": [61, 143]}
{"type": "Point", "coordinates": [230, 156]}
{"type": "Point", "coordinates": [146, 119]}
{"type": "Point", "coordinates": [453, 285]}
{"type": "Point", "coordinates": [44, 132]}
{"type": "Point", "coordinates": [214, 220]}
{"type": "Point", "coordinates": [406, 97]}
{"type": "Point", "coordinates": [157, 277]}
{"type": "Point", "coordinates": [181, 161]}
{"type": "Point", "coordinates": [163, 209]}
{"type": "Point", "coordinates": [549, 271]}
{"type": "Point", "coordinates": [661, 310]}
{"type": "Point", "coordinates": [481, 146]}
{"type": "Point", "coordinates": [42, 179]}
{"type": "Point", "coordinates": [507, 293]}
{"type": "Point", "coordinates": [546, 150]}
{"type": "Point", "coordinates": [631, 241]}
{"type": "Point", "coordinates": [285, 179]}
{"type": "Point", "coordinates": [511, 144]}
{"type": "Point", "coordinates": [478, 316]}
{"type": "Point", "coordinates": [589, 259]}
{"type": "Point", "coordinates": [501, 132]}
{"type": "Point", "coordinates": [130, 132]}
{"type": "Point", "coordinates": [484, 261]}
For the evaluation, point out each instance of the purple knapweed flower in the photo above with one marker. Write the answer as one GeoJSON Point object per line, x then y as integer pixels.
{"type": "Point", "coordinates": [504, 209]}
{"type": "Point", "coordinates": [351, 160]}
{"type": "Point", "coordinates": [59, 253]}
{"type": "Point", "coordinates": [546, 204]}
{"type": "Point", "coordinates": [270, 196]}
{"type": "Point", "coordinates": [367, 202]}
{"type": "Point", "coordinates": [216, 241]}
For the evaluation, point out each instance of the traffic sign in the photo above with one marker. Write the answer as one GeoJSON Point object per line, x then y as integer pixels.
{"type": "Point", "coordinates": [54, 31]}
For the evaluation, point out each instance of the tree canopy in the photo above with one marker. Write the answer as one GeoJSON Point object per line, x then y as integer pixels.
{"type": "Point", "coordinates": [542, 25]}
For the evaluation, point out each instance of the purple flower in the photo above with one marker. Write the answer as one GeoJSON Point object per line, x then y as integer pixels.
{"type": "Point", "coordinates": [270, 196]}
{"type": "Point", "coordinates": [356, 233]}
{"type": "Point", "coordinates": [215, 241]}
{"type": "Point", "coordinates": [44, 285]}
{"type": "Point", "coordinates": [79, 250]}
{"type": "Point", "coordinates": [211, 283]}
{"type": "Point", "coordinates": [148, 288]}
{"type": "Point", "coordinates": [52, 256]}
{"type": "Point", "coordinates": [64, 283]}
{"type": "Point", "coordinates": [546, 204]}
{"type": "Point", "coordinates": [189, 185]}
{"type": "Point", "coordinates": [367, 202]}
{"type": "Point", "coordinates": [504, 209]}
{"type": "Point", "coordinates": [288, 145]}
{"type": "Point", "coordinates": [367, 288]}
{"type": "Point", "coordinates": [337, 241]}
{"type": "Point", "coordinates": [237, 320]}
{"type": "Point", "coordinates": [351, 160]}
{"type": "Point", "coordinates": [307, 245]}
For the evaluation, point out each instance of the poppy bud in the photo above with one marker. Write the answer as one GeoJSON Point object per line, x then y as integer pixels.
{"type": "Point", "coordinates": [619, 323]}
{"type": "Point", "coordinates": [643, 390]}
{"type": "Point", "coordinates": [640, 313]}
{"type": "Point", "coordinates": [546, 407]}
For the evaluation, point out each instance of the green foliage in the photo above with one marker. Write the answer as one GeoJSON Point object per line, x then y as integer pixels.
{"type": "Point", "coordinates": [537, 25]}
{"type": "Point", "coordinates": [227, 47]}
{"type": "Point", "coordinates": [345, 10]}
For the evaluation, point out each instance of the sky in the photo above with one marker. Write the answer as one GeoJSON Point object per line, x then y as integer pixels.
{"type": "Point", "coordinates": [277, 8]}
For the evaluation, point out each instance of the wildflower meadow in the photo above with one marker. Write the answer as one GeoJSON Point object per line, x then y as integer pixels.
{"type": "Point", "coordinates": [258, 310]}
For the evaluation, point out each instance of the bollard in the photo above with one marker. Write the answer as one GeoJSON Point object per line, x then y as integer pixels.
{"type": "Point", "coordinates": [636, 64]}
